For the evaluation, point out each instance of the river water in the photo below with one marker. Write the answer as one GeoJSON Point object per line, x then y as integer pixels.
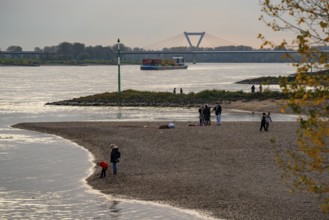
{"type": "Point", "coordinates": [43, 176]}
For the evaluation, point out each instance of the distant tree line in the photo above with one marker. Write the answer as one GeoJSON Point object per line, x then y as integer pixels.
{"type": "Point", "coordinates": [80, 53]}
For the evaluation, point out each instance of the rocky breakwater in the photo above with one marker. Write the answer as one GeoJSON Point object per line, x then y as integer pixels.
{"type": "Point", "coordinates": [128, 104]}
{"type": "Point", "coordinates": [166, 99]}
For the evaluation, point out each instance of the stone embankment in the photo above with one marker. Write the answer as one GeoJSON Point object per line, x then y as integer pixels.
{"type": "Point", "coordinates": [127, 104]}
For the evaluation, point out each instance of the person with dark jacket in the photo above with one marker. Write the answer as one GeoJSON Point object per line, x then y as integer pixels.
{"type": "Point", "coordinates": [206, 113]}
{"type": "Point", "coordinates": [263, 123]}
{"type": "Point", "coordinates": [115, 155]}
{"type": "Point", "coordinates": [201, 115]}
{"type": "Point", "coordinates": [253, 89]}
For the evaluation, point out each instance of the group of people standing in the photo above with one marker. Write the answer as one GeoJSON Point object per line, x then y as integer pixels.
{"type": "Point", "coordinates": [114, 159]}
{"type": "Point", "coordinates": [205, 114]}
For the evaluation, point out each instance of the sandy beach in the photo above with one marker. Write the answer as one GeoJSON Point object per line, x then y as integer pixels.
{"type": "Point", "coordinates": [226, 171]}
{"type": "Point", "coordinates": [269, 105]}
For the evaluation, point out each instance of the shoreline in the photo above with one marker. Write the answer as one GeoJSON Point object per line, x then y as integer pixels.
{"type": "Point", "coordinates": [267, 105]}
{"type": "Point", "coordinates": [227, 171]}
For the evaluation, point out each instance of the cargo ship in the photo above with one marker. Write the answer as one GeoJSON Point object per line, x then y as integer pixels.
{"type": "Point", "coordinates": [164, 64]}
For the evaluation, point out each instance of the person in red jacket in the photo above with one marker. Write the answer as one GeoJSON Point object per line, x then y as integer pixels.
{"type": "Point", "coordinates": [104, 166]}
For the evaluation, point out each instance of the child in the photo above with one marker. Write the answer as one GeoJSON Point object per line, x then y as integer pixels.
{"type": "Point", "coordinates": [104, 166]}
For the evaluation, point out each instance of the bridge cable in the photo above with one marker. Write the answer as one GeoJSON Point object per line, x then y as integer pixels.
{"type": "Point", "coordinates": [219, 41]}
{"type": "Point", "coordinates": [162, 44]}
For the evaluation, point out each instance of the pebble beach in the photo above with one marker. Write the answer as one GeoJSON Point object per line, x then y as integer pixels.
{"type": "Point", "coordinates": [225, 172]}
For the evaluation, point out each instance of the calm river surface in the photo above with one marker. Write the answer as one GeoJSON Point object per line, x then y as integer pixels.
{"type": "Point", "coordinates": [43, 176]}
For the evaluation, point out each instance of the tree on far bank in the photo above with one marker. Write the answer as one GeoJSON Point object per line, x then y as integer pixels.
{"type": "Point", "coordinates": [14, 48]}
{"type": "Point", "coordinates": [37, 49]}
{"type": "Point", "coordinates": [307, 166]}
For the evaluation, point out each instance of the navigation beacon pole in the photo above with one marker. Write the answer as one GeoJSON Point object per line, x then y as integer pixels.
{"type": "Point", "coordinates": [119, 83]}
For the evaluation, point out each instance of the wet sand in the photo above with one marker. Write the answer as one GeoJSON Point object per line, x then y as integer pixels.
{"type": "Point", "coordinates": [227, 171]}
{"type": "Point", "coordinates": [269, 105]}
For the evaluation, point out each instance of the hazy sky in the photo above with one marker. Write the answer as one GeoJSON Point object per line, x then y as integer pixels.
{"type": "Point", "coordinates": [138, 23]}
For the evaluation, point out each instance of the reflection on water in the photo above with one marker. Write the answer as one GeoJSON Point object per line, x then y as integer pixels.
{"type": "Point", "coordinates": [119, 113]}
{"type": "Point", "coordinates": [42, 177]}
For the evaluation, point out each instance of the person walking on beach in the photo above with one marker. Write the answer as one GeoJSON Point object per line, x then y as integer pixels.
{"type": "Point", "coordinates": [263, 122]}
{"type": "Point", "coordinates": [115, 155]}
{"type": "Point", "coordinates": [104, 167]}
{"type": "Point", "coordinates": [218, 114]}
{"type": "Point", "coordinates": [201, 115]}
{"type": "Point", "coordinates": [260, 88]}
{"type": "Point", "coordinates": [268, 119]}
{"type": "Point", "coordinates": [206, 113]}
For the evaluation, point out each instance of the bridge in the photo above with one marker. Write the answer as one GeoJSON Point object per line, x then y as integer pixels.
{"type": "Point", "coordinates": [192, 42]}
{"type": "Point", "coordinates": [198, 43]}
{"type": "Point", "coordinates": [188, 43]}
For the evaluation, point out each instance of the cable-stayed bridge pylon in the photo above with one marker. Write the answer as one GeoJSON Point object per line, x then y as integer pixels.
{"type": "Point", "coordinates": [192, 40]}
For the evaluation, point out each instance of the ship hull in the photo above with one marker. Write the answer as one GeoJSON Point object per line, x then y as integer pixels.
{"type": "Point", "coordinates": [155, 67]}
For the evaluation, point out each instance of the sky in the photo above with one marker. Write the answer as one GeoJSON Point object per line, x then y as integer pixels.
{"type": "Point", "coordinates": [138, 23]}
